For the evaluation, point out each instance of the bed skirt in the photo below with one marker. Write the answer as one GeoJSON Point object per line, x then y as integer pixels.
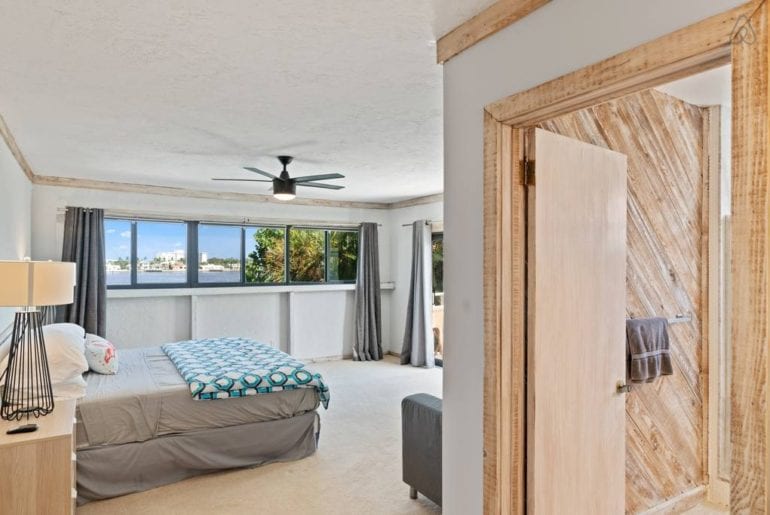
{"type": "Point", "coordinates": [113, 470]}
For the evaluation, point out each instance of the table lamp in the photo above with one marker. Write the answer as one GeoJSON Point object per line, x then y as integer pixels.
{"type": "Point", "coordinates": [27, 285]}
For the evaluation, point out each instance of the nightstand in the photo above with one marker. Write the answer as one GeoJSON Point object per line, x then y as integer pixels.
{"type": "Point", "coordinates": [37, 470]}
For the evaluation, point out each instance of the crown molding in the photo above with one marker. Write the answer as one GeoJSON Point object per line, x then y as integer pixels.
{"type": "Point", "coordinates": [491, 20]}
{"type": "Point", "coordinates": [417, 201]}
{"type": "Point", "coordinates": [169, 191]}
{"type": "Point", "coordinates": [5, 132]}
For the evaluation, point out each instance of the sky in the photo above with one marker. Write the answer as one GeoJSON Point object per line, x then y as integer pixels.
{"type": "Point", "coordinates": [156, 237]}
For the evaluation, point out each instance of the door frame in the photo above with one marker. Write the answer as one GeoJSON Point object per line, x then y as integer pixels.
{"type": "Point", "coordinates": [740, 36]}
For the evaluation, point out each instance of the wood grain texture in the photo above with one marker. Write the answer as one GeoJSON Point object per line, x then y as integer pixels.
{"type": "Point", "coordinates": [681, 503]}
{"type": "Point", "coordinates": [749, 472]}
{"type": "Point", "coordinates": [714, 374]}
{"type": "Point", "coordinates": [698, 47]}
{"type": "Point", "coordinates": [125, 187]}
{"type": "Point", "coordinates": [504, 350]}
{"type": "Point", "coordinates": [576, 328]}
{"type": "Point", "coordinates": [663, 139]}
{"type": "Point", "coordinates": [492, 343]}
{"type": "Point", "coordinates": [38, 477]}
{"type": "Point", "coordinates": [491, 20]}
{"type": "Point", "coordinates": [417, 201]}
{"type": "Point", "coordinates": [16, 152]}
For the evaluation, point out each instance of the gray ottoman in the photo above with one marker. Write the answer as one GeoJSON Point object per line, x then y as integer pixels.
{"type": "Point", "coordinates": [421, 434]}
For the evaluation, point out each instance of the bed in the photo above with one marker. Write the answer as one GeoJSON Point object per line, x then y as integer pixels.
{"type": "Point", "coordinates": [142, 427]}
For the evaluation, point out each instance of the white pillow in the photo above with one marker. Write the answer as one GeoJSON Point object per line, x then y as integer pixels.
{"type": "Point", "coordinates": [65, 348]}
{"type": "Point", "coordinates": [101, 355]}
{"type": "Point", "coordinates": [72, 389]}
{"type": "Point", "coordinates": [5, 348]}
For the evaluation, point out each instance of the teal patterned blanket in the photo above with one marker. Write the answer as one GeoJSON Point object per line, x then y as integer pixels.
{"type": "Point", "coordinates": [219, 368]}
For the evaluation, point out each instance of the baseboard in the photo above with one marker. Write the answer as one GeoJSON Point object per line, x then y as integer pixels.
{"type": "Point", "coordinates": [338, 357]}
{"type": "Point", "coordinates": [719, 492]}
{"type": "Point", "coordinates": [321, 359]}
{"type": "Point", "coordinates": [681, 502]}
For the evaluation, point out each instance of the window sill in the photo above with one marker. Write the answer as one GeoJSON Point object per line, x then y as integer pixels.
{"type": "Point", "coordinates": [233, 290]}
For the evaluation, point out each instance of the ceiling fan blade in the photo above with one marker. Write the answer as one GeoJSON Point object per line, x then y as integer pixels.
{"type": "Point", "coordinates": [319, 185]}
{"type": "Point", "coordinates": [257, 170]}
{"type": "Point", "coordinates": [322, 177]}
{"type": "Point", "coordinates": [243, 180]}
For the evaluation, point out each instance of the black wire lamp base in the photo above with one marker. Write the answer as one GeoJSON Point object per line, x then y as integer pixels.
{"type": "Point", "coordinates": [28, 390]}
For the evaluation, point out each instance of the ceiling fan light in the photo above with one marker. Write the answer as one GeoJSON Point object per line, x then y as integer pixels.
{"type": "Point", "coordinates": [284, 190]}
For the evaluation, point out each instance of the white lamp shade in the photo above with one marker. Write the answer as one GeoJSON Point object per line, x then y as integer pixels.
{"type": "Point", "coordinates": [36, 283]}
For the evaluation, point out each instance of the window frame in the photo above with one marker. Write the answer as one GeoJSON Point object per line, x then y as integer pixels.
{"type": "Point", "coordinates": [192, 250]}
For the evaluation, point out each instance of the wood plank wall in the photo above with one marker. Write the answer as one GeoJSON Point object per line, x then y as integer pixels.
{"type": "Point", "coordinates": [663, 139]}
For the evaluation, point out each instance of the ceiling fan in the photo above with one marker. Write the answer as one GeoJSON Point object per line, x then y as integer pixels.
{"type": "Point", "coordinates": [284, 186]}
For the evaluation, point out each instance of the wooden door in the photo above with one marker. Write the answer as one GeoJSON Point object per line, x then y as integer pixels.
{"type": "Point", "coordinates": [576, 327]}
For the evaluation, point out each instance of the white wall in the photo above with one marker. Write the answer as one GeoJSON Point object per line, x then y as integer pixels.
{"type": "Point", "coordinates": [274, 317]}
{"type": "Point", "coordinates": [15, 206]}
{"type": "Point", "coordinates": [142, 322]}
{"type": "Point", "coordinates": [401, 262]}
{"type": "Point", "coordinates": [561, 37]}
{"type": "Point", "coordinates": [334, 312]}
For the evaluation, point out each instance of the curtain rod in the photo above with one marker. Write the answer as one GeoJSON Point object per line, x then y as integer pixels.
{"type": "Point", "coordinates": [163, 216]}
{"type": "Point", "coordinates": [427, 222]}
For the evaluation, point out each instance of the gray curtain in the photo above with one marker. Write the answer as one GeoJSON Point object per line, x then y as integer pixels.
{"type": "Point", "coordinates": [418, 335]}
{"type": "Point", "coordinates": [368, 345]}
{"type": "Point", "coordinates": [48, 314]}
{"type": "Point", "coordinates": [84, 246]}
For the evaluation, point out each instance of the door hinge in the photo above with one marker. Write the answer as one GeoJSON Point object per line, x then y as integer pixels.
{"type": "Point", "coordinates": [529, 173]}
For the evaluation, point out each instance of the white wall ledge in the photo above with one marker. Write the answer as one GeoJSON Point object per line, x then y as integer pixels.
{"type": "Point", "coordinates": [234, 290]}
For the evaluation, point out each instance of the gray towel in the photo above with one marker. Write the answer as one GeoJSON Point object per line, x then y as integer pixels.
{"type": "Point", "coordinates": [648, 349]}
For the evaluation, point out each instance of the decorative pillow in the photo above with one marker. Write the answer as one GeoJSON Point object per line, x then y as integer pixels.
{"type": "Point", "coordinates": [101, 355]}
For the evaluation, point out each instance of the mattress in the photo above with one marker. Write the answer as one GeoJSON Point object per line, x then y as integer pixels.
{"type": "Point", "coordinates": [148, 398]}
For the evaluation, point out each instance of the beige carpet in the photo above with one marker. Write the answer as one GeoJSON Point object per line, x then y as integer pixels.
{"type": "Point", "coordinates": [356, 470]}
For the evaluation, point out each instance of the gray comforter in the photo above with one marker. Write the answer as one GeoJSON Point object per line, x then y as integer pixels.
{"type": "Point", "coordinates": [148, 398]}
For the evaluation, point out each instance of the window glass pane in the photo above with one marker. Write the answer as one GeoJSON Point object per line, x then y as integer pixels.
{"type": "Point", "coordinates": [161, 252]}
{"type": "Point", "coordinates": [265, 255]}
{"type": "Point", "coordinates": [306, 260]}
{"type": "Point", "coordinates": [117, 251]}
{"type": "Point", "coordinates": [219, 254]}
{"type": "Point", "coordinates": [343, 255]}
{"type": "Point", "coordinates": [438, 268]}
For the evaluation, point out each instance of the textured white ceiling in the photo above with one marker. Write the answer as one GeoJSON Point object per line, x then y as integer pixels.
{"type": "Point", "coordinates": [175, 92]}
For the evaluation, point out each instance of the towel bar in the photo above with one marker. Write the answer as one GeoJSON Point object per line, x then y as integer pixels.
{"type": "Point", "coordinates": [679, 318]}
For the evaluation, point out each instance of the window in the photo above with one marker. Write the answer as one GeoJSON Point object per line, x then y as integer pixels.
{"type": "Point", "coordinates": [438, 268]}
{"type": "Point", "coordinates": [219, 254]}
{"type": "Point", "coordinates": [161, 251]}
{"type": "Point", "coordinates": [164, 254]}
{"type": "Point", "coordinates": [265, 255]}
{"type": "Point", "coordinates": [117, 250]}
{"type": "Point", "coordinates": [307, 252]}
{"type": "Point", "coordinates": [342, 256]}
